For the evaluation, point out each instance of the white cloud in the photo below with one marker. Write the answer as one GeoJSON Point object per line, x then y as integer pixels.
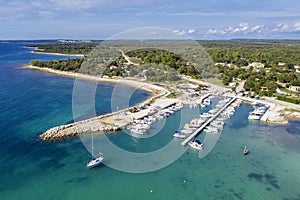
{"type": "Point", "coordinates": [280, 28]}
{"type": "Point", "coordinates": [183, 32]}
{"type": "Point", "coordinates": [179, 32]}
{"type": "Point", "coordinates": [297, 26]}
{"type": "Point", "coordinates": [258, 28]}
{"type": "Point", "coordinates": [243, 28]}
{"type": "Point", "coordinates": [190, 31]}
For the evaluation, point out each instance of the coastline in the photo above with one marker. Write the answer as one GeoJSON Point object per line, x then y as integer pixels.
{"type": "Point", "coordinates": [57, 54]}
{"type": "Point", "coordinates": [278, 112]}
{"type": "Point", "coordinates": [142, 85]}
{"type": "Point", "coordinates": [35, 51]}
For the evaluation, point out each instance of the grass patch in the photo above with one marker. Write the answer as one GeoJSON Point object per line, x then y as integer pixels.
{"type": "Point", "coordinates": [289, 91]}
{"type": "Point", "coordinates": [174, 95]}
{"type": "Point", "coordinates": [214, 81]}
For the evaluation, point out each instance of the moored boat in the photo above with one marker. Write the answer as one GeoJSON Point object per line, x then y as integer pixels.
{"type": "Point", "coordinates": [196, 144]}
{"type": "Point", "coordinates": [254, 115]}
{"type": "Point", "coordinates": [177, 134]}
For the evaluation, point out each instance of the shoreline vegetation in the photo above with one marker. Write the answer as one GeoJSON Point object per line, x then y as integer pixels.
{"type": "Point", "coordinates": [279, 112]}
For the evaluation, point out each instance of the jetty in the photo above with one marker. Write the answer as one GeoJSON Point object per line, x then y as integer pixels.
{"type": "Point", "coordinates": [194, 134]}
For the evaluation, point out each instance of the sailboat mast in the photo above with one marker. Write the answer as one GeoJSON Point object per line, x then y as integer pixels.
{"type": "Point", "coordinates": [92, 146]}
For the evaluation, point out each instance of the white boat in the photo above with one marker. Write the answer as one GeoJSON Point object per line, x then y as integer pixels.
{"type": "Point", "coordinates": [177, 134]}
{"type": "Point", "coordinates": [254, 115]}
{"type": "Point", "coordinates": [96, 161]}
{"type": "Point", "coordinates": [217, 124]}
{"type": "Point", "coordinates": [187, 131]}
{"type": "Point", "coordinates": [213, 111]}
{"type": "Point", "coordinates": [211, 129]}
{"type": "Point", "coordinates": [202, 105]}
{"type": "Point", "coordinates": [196, 144]}
{"type": "Point", "coordinates": [205, 115]}
{"type": "Point", "coordinates": [207, 102]}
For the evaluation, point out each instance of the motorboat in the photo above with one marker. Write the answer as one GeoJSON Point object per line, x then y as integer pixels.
{"type": "Point", "coordinates": [245, 150]}
{"type": "Point", "coordinates": [205, 115]}
{"type": "Point", "coordinates": [211, 129]}
{"type": "Point", "coordinates": [187, 131]}
{"type": "Point", "coordinates": [254, 115]}
{"type": "Point", "coordinates": [196, 144]}
{"type": "Point", "coordinates": [207, 102]}
{"type": "Point", "coordinates": [177, 134]}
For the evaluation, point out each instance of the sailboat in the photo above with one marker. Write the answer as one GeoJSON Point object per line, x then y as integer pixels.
{"type": "Point", "coordinates": [245, 150]}
{"type": "Point", "coordinates": [96, 161]}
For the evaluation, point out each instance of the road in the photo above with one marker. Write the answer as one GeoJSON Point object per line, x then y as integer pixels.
{"type": "Point", "coordinates": [127, 58]}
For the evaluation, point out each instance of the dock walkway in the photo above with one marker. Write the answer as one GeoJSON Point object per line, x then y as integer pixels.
{"type": "Point", "coordinates": [206, 123]}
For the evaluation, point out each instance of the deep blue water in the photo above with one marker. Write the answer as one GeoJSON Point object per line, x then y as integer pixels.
{"type": "Point", "coordinates": [32, 102]}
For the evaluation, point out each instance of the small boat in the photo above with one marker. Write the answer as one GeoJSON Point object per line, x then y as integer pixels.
{"type": "Point", "coordinates": [187, 131]}
{"type": "Point", "coordinates": [177, 134]}
{"type": "Point", "coordinates": [96, 161]}
{"type": "Point", "coordinates": [196, 144]}
{"type": "Point", "coordinates": [205, 115]}
{"type": "Point", "coordinates": [245, 150]}
{"type": "Point", "coordinates": [207, 102]}
{"type": "Point", "coordinates": [254, 115]}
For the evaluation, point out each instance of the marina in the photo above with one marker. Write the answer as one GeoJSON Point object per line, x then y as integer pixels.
{"type": "Point", "coordinates": [195, 133]}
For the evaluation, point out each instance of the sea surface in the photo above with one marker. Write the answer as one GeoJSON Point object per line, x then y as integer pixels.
{"type": "Point", "coordinates": [32, 102]}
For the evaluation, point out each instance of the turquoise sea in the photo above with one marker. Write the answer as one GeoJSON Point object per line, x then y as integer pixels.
{"type": "Point", "coordinates": [32, 102]}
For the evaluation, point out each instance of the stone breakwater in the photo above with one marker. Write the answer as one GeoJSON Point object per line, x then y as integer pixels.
{"type": "Point", "coordinates": [89, 126]}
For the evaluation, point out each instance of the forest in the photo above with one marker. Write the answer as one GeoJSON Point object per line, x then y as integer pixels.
{"type": "Point", "coordinates": [233, 58]}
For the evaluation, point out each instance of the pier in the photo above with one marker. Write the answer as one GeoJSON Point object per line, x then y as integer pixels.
{"type": "Point", "coordinates": [193, 135]}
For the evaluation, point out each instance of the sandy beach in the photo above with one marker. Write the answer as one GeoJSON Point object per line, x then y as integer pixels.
{"type": "Point", "coordinates": [37, 51]}
{"type": "Point", "coordinates": [136, 84]}
{"type": "Point", "coordinates": [57, 54]}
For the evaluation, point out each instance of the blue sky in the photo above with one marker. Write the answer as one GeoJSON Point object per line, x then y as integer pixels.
{"type": "Point", "coordinates": [198, 19]}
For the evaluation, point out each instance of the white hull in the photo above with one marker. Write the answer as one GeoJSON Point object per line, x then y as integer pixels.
{"type": "Point", "coordinates": [95, 162]}
{"type": "Point", "coordinates": [196, 145]}
{"type": "Point", "coordinates": [178, 135]}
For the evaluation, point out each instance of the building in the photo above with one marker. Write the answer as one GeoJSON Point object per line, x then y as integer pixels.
{"type": "Point", "coordinates": [256, 66]}
{"type": "Point", "coordinates": [281, 64]}
{"type": "Point", "coordinates": [294, 88]}
{"type": "Point", "coordinates": [232, 84]}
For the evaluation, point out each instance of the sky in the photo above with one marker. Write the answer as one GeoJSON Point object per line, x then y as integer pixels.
{"type": "Point", "coordinates": [197, 19]}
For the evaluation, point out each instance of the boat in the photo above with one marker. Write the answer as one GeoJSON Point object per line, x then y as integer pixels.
{"type": "Point", "coordinates": [210, 129]}
{"type": "Point", "coordinates": [207, 102]}
{"type": "Point", "coordinates": [254, 115]}
{"type": "Point", "coordinates": [205, 115]}
{"type": "Point", "coordinates": [187, 131]}
{"type": "Point", "coordinates": [196, 144]}
{"type": "Point", "coordinates": [177, 134]}
{"type": "Point", "coordinates": [218, 124]}
{"type": "Point", "coordinates": [245, 150]}
{"type": "Point", "coordinates": [96, 161]}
